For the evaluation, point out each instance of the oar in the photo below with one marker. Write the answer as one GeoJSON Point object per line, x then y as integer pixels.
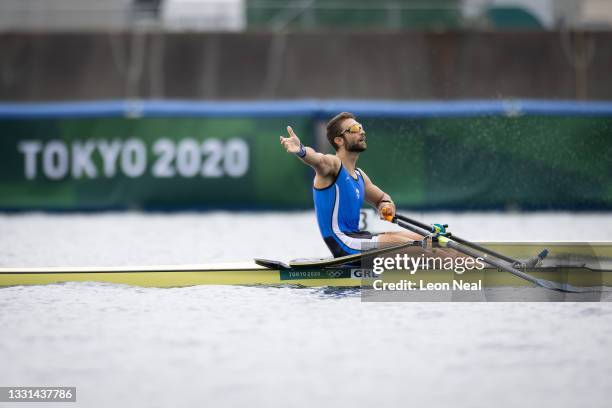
{"type": "Point", "coordinates": [448, 242]}
{"type": "Point", "coordinates": [431, 229]}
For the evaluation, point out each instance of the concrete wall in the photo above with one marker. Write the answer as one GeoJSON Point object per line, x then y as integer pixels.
{"type": "Point", "coordinates": [401, 65]}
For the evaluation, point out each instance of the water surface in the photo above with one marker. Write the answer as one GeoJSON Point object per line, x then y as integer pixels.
{"type": "Point", "coordinates": [255, 346]}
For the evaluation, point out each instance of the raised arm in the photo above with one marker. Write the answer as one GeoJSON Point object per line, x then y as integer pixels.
{"type": "Point", "coordinates": [323, 164]}
{"type": "Point", "coordinates": [378, 198]}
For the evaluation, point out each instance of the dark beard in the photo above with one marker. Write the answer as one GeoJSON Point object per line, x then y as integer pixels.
{"type": "Point", "coordinates": [355, 147]}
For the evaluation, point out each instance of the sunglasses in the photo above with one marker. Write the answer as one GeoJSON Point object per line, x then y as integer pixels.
{"type": "Point", "coordinates": [356, 128]}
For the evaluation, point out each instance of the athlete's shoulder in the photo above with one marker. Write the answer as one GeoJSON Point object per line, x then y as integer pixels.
{"type": "Point", "coordinates": [335, 161]}
{"type": "Point", "coordinates": [363, 174]}
{"type": "Point", "coordinates": [333, 157]}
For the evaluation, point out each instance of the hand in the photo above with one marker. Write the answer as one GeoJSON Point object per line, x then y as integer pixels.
{"type": "Point", "coordinates": [292, 143]}
{"type": "Point", "coordinates": [386, 211]}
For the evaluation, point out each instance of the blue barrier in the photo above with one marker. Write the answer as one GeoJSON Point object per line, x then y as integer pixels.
{"type": "Point", "coordinates": [313, 108]}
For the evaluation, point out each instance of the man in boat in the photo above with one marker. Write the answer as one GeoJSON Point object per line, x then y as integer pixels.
{"type": "Point", "coordinates": [340, 187]}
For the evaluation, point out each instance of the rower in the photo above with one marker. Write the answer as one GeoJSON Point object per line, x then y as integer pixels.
{"type": "Point", "coordinates": [340, 188]}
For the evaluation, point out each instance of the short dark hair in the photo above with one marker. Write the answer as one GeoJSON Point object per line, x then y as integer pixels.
{"type": "Point", "coordinates": [334, 129]}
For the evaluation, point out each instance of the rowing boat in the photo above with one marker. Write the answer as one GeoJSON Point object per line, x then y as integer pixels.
{"type": "Point", "coordinates": [581, 264]}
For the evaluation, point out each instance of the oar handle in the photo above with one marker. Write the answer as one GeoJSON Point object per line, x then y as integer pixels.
{"type": "Point", "coordinates": [387, 213]}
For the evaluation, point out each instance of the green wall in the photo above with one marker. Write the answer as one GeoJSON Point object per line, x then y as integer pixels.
{"type": "Point", "coordinates": [442, 158]}
{"type": "Point", "coordinates": [525, 162]}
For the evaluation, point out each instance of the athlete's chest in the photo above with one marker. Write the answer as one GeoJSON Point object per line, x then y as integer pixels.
{"type": "Point", "coordinates": [353, 187]}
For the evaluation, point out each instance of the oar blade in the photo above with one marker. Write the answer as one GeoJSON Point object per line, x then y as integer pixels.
{"type": "Point", "coordinates": [567, 288]}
